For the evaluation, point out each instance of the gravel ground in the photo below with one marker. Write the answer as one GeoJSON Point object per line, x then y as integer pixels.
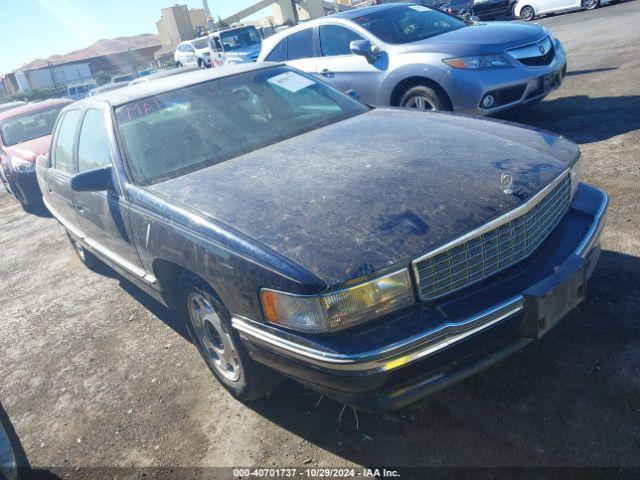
{"type": "Point", "coordinates": [94, 373]}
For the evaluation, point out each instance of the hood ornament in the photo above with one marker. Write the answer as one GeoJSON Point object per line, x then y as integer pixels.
{"type": "Point", "coordinates": [506, 181]}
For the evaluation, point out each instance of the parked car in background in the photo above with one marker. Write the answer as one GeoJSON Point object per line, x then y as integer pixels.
{"type": "Point", "coordinates": [455, 7]}
{"type": "Point", "coordinates": [417, 57]}
{"type": "Point", "coordinates": [9, 105]}
{"type": "Point", "coordinates": [124, 78]}
{"type": "Point", "coordinates": [492, 9]}
{"type": "Point", "coordinates": [162, 74]}
{"type": "Point", "coordinates": [193, 53]}
{"type": "Point", "coordinates": [25, 133]}
{"type": "Point", "coordinates": [481, 9]}
{"type": "Point", "coordinates": [530, 9]}
{"type": "Point", "coordinates": [235, 45]}
{"type": "Point", "coordinates": [77, 91]}
{"type": "Point", "coordinates": [375, 278]}
{"type": "Point", "coordinates": [425, 3]}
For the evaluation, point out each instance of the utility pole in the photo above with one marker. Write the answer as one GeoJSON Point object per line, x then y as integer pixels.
{"type": "Point", "coordinates": [211, 23]}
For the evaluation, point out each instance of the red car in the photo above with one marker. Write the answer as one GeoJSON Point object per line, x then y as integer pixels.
{"type": "Point", "coordinates": [25, 133]}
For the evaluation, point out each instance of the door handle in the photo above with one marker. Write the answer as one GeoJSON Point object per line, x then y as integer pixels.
{"type": "Point", "coordinates": [327, 73]}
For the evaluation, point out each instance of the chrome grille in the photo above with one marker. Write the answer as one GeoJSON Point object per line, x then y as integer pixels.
{"type": "Point", "coordinates": [536, 54]}
{"type": "Point", "coordinates": [495, 249]}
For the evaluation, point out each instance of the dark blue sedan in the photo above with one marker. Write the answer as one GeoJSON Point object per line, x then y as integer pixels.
{"type": "Point", "coordinates": [298, 232]}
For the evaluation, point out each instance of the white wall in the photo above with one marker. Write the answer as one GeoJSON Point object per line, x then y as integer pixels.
{"type": "Point", "coordinates": [72, 73]}
{"type": "Point", "coordinates": [48, 77]}
{"type": "Point", "coordinates": [21, 80]}
{"type": "Point", "coordinates": [40, 79]}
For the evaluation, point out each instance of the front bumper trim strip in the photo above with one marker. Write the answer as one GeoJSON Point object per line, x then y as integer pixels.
{"type": "Point", "coordinates": [389, 357]}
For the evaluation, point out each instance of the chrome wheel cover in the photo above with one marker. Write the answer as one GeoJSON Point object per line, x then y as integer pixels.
{"type": "Point", "coordinates": [590, 4]}
{"type": "Point", "coordinates": [419, 102]}
{"type": "Point", "coordinates": [527, 13]}
{"type": "Point", "coordinates": [216, 344]}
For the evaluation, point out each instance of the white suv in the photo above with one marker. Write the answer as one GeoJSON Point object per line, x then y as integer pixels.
{"type": "Point", "coordinates": [193, 53]}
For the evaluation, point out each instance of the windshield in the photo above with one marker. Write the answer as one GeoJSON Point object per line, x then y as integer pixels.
{"type": "Point", "coordinates": [406, 24]}
{"type": "Point", "coordinates": [29, 126]}
{"type": "Point", "coordinates": [240, 38]}
{"type": "Point", "coordinates": [200, 43]}
{"type": "Point", "coordinates": [191, 128]}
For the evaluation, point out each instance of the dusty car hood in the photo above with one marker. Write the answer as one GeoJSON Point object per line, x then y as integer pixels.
{"type": "Point", "coordinates": [31, 149]}
{"type": "Point", "coordinates": [376, 190]}
{"type": "Point", "coordinates": [489, 37]}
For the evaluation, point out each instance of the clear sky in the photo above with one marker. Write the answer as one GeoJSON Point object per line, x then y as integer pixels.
{"type": "Point", "coordinates": [32, 29]}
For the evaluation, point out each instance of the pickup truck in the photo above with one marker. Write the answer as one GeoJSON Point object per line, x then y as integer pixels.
{"type": "Point", "coordinates": [299, 232]}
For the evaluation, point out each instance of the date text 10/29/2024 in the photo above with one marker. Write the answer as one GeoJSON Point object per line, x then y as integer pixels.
{"type": "Point", "coordinates": [315, 473]}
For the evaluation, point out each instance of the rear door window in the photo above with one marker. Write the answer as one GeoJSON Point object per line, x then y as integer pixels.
{"type": "Point", "coordinates": [300, 44]}
{"type": "Point", "coordinates": [93, 143]}
{"type": "Point", "coordinates": [63, 151]}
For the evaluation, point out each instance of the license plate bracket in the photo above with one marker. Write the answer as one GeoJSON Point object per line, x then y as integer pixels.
{"type": "Point", "coordinates": [550, 81]}
{"type": "Point", "coordinates": [548, 301]}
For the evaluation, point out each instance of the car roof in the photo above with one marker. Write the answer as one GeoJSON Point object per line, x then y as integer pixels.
{"type": "Point", "coordinates": [34, 107]}
{"type": "Point", "coordinates": [131, 93]}
{"type": "Point", "coordinates": [359, 12]}
{"type": "Point", "coordinates": [9, 105]}
{"type": "Point", "coordinates": [349, 15]}
{"type": "Point", "coordinates": [163, 73]}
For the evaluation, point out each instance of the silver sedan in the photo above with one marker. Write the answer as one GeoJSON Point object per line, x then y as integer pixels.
{"type": "Point", "coordinates": [414, 56]}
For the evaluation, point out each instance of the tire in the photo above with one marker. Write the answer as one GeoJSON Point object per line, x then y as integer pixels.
{"type": "Point", "coordinates": [178, 64]}
{"type": "Point", "coordinates": [201, 64]}
{"type": "Point", "coordinates": [17, 194]}
{"type": "Point", "coordinates": [590, 4]}
{"type": "Point", "coordinates": [209, 324]}
{"type": "Point", "coordinates": [86, 257]}
{"type": "Point", "coordinates": [527, 13]}
{"type": "Point", "coordinates": [423, 97]}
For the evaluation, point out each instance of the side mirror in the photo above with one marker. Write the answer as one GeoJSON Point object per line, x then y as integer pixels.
{"type": "Point", "coordinates": [96, 180]}
{"type": "Point", "coordinates": [352, 93]}
{"type": "Point", "coordinates": [365, 49]}
{"type": "Point", "coordinates": [42, 160]}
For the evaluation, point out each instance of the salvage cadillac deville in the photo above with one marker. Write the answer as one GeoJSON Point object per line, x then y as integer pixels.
{"type": "Point", "coordinates": [300, 232]}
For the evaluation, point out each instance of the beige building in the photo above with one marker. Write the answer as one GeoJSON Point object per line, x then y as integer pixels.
{"type": "Point", "coordinates": [178, 24]}
{"type": "Point", "coordinates": [285, 12]}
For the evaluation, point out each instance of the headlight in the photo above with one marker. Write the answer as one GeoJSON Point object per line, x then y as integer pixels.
{"type": "Point", "coordinates": [341, 309]}
{"type": "Point", "coordinates": [22, 166]}
{"type": "Point", "coordinates": [576, 174]}
{"type": "Point", "coordinates": [496, 60]}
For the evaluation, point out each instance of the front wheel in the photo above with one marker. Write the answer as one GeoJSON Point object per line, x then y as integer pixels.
{"type": "Point", "coordinates": [527, 13]}
{"type": "Point", "coordinates": [423, 97]}
{"type": "Point", "coordinates": [590, 4]}
{"type": "Point", "coordinates": [178, 64]}
{"type": "Point", "coordinates": [209, 324]}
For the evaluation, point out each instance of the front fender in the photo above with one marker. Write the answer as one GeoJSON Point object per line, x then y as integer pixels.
{"type": "Point", "coordinates": [415, 66]}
